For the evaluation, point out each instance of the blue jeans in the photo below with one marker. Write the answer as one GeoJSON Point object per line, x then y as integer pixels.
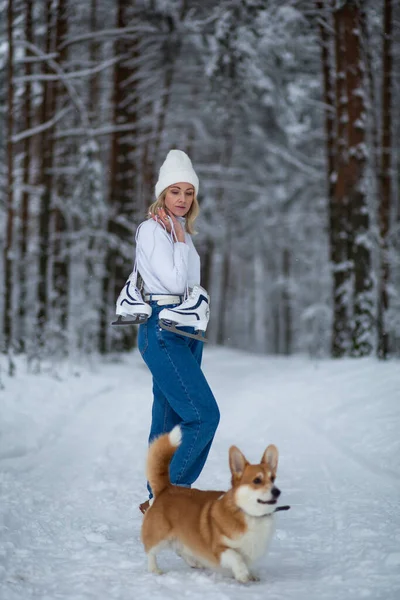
{"type": "Point", "coordinates": [181, 396]}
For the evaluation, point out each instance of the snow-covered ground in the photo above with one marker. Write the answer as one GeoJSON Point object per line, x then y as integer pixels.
{"type": "Point", "coordinates": [72, 453]}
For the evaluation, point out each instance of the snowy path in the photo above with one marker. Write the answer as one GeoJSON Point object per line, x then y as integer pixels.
{"type": "Point", "coordinates": [69, 524]}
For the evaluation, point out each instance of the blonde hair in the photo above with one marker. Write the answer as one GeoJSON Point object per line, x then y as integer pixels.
{"type": "Point", "coordinates": [190, 217]}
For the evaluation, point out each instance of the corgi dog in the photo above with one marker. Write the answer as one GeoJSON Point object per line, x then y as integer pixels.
{"type": "Point", "coordinates": [211, 528]}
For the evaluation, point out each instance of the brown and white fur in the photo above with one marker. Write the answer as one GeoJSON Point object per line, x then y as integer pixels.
{"type": "Point", "coordinates": [211, 528]}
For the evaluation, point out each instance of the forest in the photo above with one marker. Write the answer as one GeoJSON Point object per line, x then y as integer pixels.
{"type": "Point", "coordinates": [289, 110]}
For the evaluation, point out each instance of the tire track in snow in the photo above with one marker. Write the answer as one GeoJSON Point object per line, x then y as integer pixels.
{"type": "Point", "coordinates": [380, 470]}
{"type": "Point", "coordinates": [64, 505]}
{"type": "Point", "coordinates": [86, 436]}
{"type": "Point", "coordinates": [26, 459]}
{"type": "Point", "coordinates": [368, 465]}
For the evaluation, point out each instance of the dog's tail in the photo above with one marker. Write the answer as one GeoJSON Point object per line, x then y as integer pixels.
{"type": "Point", "coordinates": [160, 454]}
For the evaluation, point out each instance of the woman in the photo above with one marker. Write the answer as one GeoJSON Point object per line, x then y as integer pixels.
{"type": "Point", "coordinates": [169, 265]}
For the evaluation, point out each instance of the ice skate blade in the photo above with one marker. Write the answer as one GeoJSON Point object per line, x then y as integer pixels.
{"type": "Point", "coordinates": [172, 327]}
{"type": "Point", "coordinates": [130, 321]}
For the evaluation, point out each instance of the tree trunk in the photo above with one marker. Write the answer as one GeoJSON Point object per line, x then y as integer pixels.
{"type": "Point", "coordinates": [225, 292]}
{"type": "Point", "coordinates": [373, 105]}
{"type": "Point", "coordinates": [225, 243]}
{"type": "Point", "coordinates": [171, 55]}
{"type": "Point", "coordinates": [385, 183]}
{"type": "Point", "coordinates": [325, 25]}
{"type": "Point", "coordinates": [356, 188]}
{"type": "Point", "coordinates": [24, 259]}
{"type": "Point", "coordinates": [8, 246]}
{"type": "Point", "coordinates": [286, 306]}
{"type": "Point", "coordinates": [206, 263]}
{"type": "Point", "coordinates": [46, 180]}
{"type": "Point", "coordinates": [123, 180]}
{"type": "Point", "coordinates": [327, 59]}
{"type": "Point", "coordinates": [59, 253]}
{"type": "Point", "coordinates": [340, 209]}
{"type": "Point", "coordinates": [255, 308]}
{"type": "Point", "coordinates": [94, 57]}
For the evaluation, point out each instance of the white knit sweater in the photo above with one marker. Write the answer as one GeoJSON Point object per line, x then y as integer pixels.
{"type": "Point", "coordinates": [166, 267]}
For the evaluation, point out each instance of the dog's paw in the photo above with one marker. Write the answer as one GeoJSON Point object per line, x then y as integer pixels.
{"type": "Point", "coordinates": [191, 560]}
{"type": "Point", "coordinates": [246, 577]}
{"type": "Point", "coordinates": [152, 565]}
{"type": "Point", "coordinates": [243, 577]}
{"type": "Point", "coordinates": [195, 564]}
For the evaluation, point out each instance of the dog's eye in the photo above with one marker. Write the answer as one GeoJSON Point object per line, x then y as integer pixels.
{"type": "Point", "coordinates": [273, 478]}
{"type": "Point", "coordinates": [257, 480]}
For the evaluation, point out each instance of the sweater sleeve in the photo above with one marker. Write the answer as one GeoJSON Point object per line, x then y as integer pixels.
{"type": "Point", "coordinates": [168, 261]}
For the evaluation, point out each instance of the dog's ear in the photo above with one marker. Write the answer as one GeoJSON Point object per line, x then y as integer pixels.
{"type": "Point", "coordinates": [270, 457]}
{"type": "Point", "coordinates": [237, 462]}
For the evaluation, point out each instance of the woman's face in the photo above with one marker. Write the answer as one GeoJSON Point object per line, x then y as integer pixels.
{"type": "Point", "coordinates": [179, 198]}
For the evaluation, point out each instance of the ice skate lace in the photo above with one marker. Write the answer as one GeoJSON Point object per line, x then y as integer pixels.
{"type": "Point", "coordinates": [175, 239]}
{"type": "Point", "coordinates": [134, 275]}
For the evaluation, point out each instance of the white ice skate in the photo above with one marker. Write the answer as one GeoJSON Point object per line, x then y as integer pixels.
{"type": "Point", "coordinates": [130, 307]}
{"type": "Point", "coordinates": [193, 312]}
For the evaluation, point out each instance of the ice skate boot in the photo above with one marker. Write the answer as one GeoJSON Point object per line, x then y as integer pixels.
{"type": "Point", "coordinates": [130, 308]}
{"type": "Point", "coordinates": [193, 312]}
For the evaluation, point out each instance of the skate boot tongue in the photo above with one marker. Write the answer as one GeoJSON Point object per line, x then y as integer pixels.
{"type": "Point", "coordinates": [193, 312]}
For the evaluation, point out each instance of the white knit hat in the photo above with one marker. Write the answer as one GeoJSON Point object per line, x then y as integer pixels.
{"type": "Point", "coordinates": [176, 168]}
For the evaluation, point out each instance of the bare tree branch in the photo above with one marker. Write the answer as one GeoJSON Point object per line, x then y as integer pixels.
{"type": "Point", "coordinates": [72, 75]}
{"type": "Point", "coordinates": [43, 126]}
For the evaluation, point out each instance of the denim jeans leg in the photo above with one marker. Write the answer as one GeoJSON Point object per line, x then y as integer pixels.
{"type": "Point", "coordinates": [174, 363]}
{"type": "Point", "coordinates": [196, 349]}
{"type": "Point", "coordinates": [163, 418]}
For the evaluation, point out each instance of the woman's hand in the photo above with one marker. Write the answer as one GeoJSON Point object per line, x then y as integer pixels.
{"type": "Point", "coordinates": [165, 217]}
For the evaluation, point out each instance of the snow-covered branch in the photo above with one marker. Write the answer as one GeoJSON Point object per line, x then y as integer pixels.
{"type": "Point", "coordinates": [294, 160]}
{"type": "Point", "coordinates": [42, 127]}
{"type": "Point", "coordinates": [106, 130]}
{"type": "Point", "coordinates": [72, 75]}
{"type": "Point", "coordinates": [35, 59]}
{"type": "Point", "coordinates": [118, 32]}
{"type": "Point", "coordinates": [74, 95]}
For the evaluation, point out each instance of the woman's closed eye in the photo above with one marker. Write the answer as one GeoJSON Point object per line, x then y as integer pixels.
{"type": "Point", "coordinates": [189, 193]}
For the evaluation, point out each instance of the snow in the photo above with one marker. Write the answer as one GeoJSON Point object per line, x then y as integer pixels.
{"type": "Point", "coordinates": [72, 452]}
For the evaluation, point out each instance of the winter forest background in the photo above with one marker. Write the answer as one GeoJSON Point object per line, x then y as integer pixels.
{"type": "Point", "coordinates": [289, 110]}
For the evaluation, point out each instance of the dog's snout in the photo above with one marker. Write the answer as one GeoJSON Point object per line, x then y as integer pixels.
{"type": "Point", "coordinates": [275, 492]}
